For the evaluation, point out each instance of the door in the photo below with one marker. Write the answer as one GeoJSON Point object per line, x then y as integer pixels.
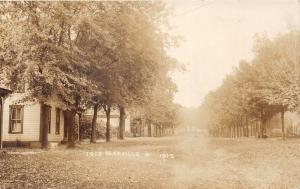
{"type": "Point", "coordinates": [45, 125]}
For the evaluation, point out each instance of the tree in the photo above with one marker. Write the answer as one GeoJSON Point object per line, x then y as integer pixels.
{"type": "Point", "coordinates": [138, 60]}
{"type": "Point", "coordinates": [269, 84]}
{"type": "Point", "coordinates": [99, 54]}
{"type": "Point", "coordinates": [42, 50]}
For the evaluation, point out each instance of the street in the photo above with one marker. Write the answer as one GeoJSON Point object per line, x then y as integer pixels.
{"type": "Point", "coordinates": [172, 162]}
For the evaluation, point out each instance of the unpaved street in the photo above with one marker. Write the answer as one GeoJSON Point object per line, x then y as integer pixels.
{"type": "Point", "coordinates": [173, 162]}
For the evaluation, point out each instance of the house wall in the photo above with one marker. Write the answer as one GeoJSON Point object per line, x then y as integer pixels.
{"type": "Point", "coordinates": [52, 136]}
{"type": "Point", "coordinates": [31, 119]}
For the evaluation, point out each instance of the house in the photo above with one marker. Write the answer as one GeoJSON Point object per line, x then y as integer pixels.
{"type": "Point", "coordinates": [139, 128]}
{"type": "Point", "coordinates": [142, 127]}
{"type": "Point", "coordinates": [292, 124]}
{"type": "Point", "coordinates": [31, 123]}
{"type": "Point", "coordinates": [101, 120]}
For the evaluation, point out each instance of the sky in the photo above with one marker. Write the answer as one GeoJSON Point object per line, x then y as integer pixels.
{"type": "Point", "coordinates": [218, 34]}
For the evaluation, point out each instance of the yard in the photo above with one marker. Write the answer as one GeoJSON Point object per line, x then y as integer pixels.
{"type": "Point", "coordinates": [173, 162]}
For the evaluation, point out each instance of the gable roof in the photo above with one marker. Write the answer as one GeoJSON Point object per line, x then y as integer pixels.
{"type": "Point", "coordinates": [4, 91]}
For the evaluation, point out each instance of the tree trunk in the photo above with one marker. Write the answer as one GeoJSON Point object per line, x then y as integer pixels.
{"type": "Point", "coordinates": [122, 123]}
{"type": "Point", "coordinates": [221, 131]}
{"type": "Point", "coordinates": [94, 124]}
{"type": "Point", "coordinates": [247, 128]}
{"type": "Point", "coordinates": [45, 121]}
{"type": "Point", "coordinates": [241, 126]}
{"type": "Point", "coordinates": [233, 131]}
{"type": "Point", "coordinates": [134, 131]}
{"type": "Point", "coordinates": [79, 127]}
{"type": "Point", "coordinates": [70, 122]}
{"type": "Point", "coordinates": [241, 131]}
{"type": "Point", "coordinates": [251, 129]}
{"type": "Point", "coordinates": [149, 129]}
{"type": "Point", "coordinates": [262, 123]}
{"type": "Point", "coordinates": [255, 129]}
{"type": "Point", "coordinates": [173, 130]}
{"type": "Point", "coordinates": [141, 127]}
{"type": "Point", "coordinates": [282, 124]}
{"type": "Point", "coordinates": [142, 132]}
{"type": "Point", "coordinates": [107, 111]}
{"type": "Point", "coordinates": [228, 132]}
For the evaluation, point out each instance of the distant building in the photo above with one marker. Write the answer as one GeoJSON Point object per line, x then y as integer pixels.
{"type": "Point", "coordinates": [291, 122]}
{"type": "Point", "coordinates": [140, 127]}
{"type": "Point", "coordinates": [101, 120]}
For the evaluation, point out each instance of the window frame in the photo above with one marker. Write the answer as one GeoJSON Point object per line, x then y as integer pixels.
{"type": "Point", "coordinates": [57, 121]}
{"type": "Point", "coordinates": [11, 107]}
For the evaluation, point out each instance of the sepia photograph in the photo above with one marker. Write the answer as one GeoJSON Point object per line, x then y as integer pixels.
{"type": "Point", "coordinates": [150, 94]}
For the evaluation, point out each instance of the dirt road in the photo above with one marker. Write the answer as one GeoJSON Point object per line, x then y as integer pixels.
{"type": "Point", "coordinates": [173, 162]}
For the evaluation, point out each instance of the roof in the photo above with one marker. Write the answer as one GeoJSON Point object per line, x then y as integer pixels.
{"type": "Point", "coordinates": [4, 91]}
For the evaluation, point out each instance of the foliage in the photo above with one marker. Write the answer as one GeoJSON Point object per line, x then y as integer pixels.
{"type": "Point", "coordinates": [109, 54]}
{"type": "Point", "coordinates": [270, 79]}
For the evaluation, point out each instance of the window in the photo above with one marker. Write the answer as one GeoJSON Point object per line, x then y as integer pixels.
{"type": "Point", "coordinates": [57, 128]}
{"type": "Point", "coordinates": [16, 119]}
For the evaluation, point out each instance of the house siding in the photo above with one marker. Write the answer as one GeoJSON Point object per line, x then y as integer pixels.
{"type": "Point", "coordinates": [31, 120]}
{"type": "Point", "coordinates": [52, 136]}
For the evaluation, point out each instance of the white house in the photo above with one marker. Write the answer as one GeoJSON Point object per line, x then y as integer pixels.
{"type": "Point", "coordinates": [114, 118]}
{"type": "Point", "coordinates": [33, 124]}
{"type": "Point", "coordinates": [26, 122]}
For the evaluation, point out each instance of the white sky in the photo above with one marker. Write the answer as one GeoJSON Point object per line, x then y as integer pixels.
{"type": "Point", "coordinates": [220, 33]}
